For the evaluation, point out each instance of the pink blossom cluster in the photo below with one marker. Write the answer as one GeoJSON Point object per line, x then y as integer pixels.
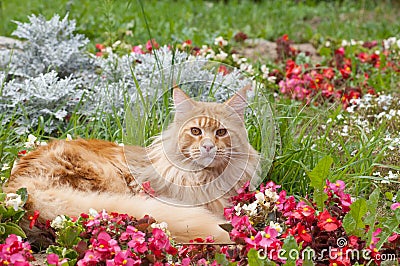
{"type": "Point", "coordinates": [15, 251]}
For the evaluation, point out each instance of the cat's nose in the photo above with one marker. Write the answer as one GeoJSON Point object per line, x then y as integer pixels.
{"type": "Point", "coordinates": [207, 145]}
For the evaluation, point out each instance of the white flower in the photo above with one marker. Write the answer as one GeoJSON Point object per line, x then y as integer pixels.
{"type": "Point", "coordinates": [327, 44]}
{"type": "Point", "coordinates": [391, 175]}
{"type": "Point", "coordinates": [276, 226]}
{"type": "Point", "coordinates": [116, 44]}
{"type": "Point", "coordinates": [345, 131]}
{"type": "Point", "coordinates": [251, 208]}
{"type": "Point", "coordinates": [260, 197]}
{"type": "Point", "coordinates": [58, 222]}
{"type": "Point", "coordinates": [5, 167]}
{"type": "Point", "coordinates": [93, 212]}
{"type": "Point", "coordinates": [68, 138]}
{"type": "Point", "coordinates": [221, 56]}
{"type": "Point", "coordinates": [271, 79]}
{"type": "Point", "coordinates": [339, 117]}
{"type": "Point", "coordinates": [220, 41]}
{"type": "Point", "coordinates": [272, 195]}
{"type": "Point", "coordinates": [235, 57]}
{"type": "Point", "coordinates": [237, 209]}
{"type": "Point", "coordinates": [13, 200]}
{"type": "Point", "coordinates": [31, 141]}
{"type": "Point", "coordinates": [376, 173]}
{"type": "Point", "coordinates": [162, 225]}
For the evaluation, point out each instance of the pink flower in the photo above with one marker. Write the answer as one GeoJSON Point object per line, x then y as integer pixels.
{"type": "Point", "coordinates": [104, 245]}
{"type": "Point", "coordinates": [395, 206]}
{"type": "Point", "coordinates": [147, 188]}
{"type": "Point", "coordinates": [53, 259]}
{"type": "Point", "coordinates": [186, 262]}
{"type": "Point", "coordinates": [137, 49]}
{"type": "Point", "coordinates": [375, 239]}
{"type": "Point", "coordinates": [269, 237]}
{"type": "Point", "coordinates": [138, 243]}
{"type": "Point", "coordinates": [339, 185]}
{"type": "Point", "coordinates": [124, 258]}
{"type": "Point", "coordinates": [89, 259]}
{"type": "Point", "coordinates": [254, 241]}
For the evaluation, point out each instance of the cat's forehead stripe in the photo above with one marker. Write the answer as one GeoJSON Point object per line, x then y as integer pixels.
{"type": "Point", "coordinates": [207, 122]}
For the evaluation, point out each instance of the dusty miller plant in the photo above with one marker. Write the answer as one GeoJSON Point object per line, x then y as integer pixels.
{"type": "Point", "coordinates": [49, 45]}
{"type": "Point", "coordinates": [53, 74]}
{"type": "Point", "coordinates": [46, 100]}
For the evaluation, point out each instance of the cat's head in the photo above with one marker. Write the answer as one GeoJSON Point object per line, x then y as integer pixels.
{"type": "Point", "coordinates": [210, 134]}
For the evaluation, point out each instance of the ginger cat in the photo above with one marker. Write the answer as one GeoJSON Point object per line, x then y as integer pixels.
{"type": "Point", "coordinates": [194, 166]}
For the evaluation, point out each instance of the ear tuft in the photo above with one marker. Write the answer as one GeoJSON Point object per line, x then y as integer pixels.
{"type": "Point", "coordinates": [238, 101]}
{"type": "Point", "coordinates": [182, 102]}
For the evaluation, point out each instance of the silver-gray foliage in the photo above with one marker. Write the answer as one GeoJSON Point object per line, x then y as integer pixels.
{"type": "Point", "coordinates": [55, 74]}
{"type": "Point", "coordinates": [44, 99]}
{"type": "Point", "coordinates": [49, 45]}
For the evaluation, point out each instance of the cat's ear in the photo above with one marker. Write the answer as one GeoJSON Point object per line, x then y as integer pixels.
{"type": "Point", "coordinates": [182, 102]}
{"type": "Point", "coordinates": [238, 101]}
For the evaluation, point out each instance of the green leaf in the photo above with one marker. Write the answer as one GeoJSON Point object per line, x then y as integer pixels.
{"type": "Point", "coordinates": [291, 249]}
{"type": "Point", "coordinates": [318, 178]}
{"type": "Point", "coordinates": [2, 229]}
{"type": "Point", "coordinates": [12, 228]}
{"type": "Point", "coordinates": [371, 217]}
{"type": "Point", "coordinates": [389, 195]}
{"type": "Point", "coordinates": [389, 224]}
{"type": "Point", "coordinates": [23, 193]}
{"type": "Point", "coordinates": [254, 258]}
{"type": "Point", "coordinates": [352, 222]}
{"type": "Point", "coordinates": [222, 260]}
{"type": "Point", "coordinates": [307, 256]}
{"type": "Point", "coordinates": [3, 197]}
{"type": "Point", "coordinates": [372, 205]}
{"type": "Point", "coordinates": [69, 236]}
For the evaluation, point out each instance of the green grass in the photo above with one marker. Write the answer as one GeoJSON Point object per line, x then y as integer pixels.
{"type": "Point", "coordinates": [202, 21]}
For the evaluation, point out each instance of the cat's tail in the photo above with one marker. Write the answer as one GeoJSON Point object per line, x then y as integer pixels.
{"type": "Point", "coordinates": [183, 223]}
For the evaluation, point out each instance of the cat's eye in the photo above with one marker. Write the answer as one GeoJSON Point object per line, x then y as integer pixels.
{"type": "Point", "coordinates": [195, 131]}
{"type": "Point", "coordinates": [221, 132]}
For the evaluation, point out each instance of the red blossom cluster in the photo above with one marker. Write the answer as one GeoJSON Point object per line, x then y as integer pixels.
{"type": "Point", "coordinates": [344, 78]}
{"type": "Point", "coordinates": [276, 216]}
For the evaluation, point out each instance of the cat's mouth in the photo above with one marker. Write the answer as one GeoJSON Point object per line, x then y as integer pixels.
{"type": "Point", "coordinates": [205, 159]}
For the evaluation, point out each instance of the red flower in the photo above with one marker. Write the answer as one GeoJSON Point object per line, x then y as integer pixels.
{"type": "Point", "coordinates": [302, 234]}
{"type": "Point", "coordinates": [22, 153]}
{"type": "Point", "coordinates": [328, 73]}
{"type": "Point", "coordinates": [303, 211]}
{"type": "Point", "coordinates": [33, 218]}
{"type": "Point", "coordinates": [345, 71]}
{"type": "Point", "coordinates": [240, 37]}
{"type": "Point", "coordinates": [223, 70]}
{"type": "Point", "coordinates": [327, 222]}
{"type": "Point", "coordinates": [100, 46]}
{"type": "Point", "coordinates": [151, 45]}
{"type": "Point", "coordinates": [147, 188]}
{"type": "Point", "coordinates": [339, 257]}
